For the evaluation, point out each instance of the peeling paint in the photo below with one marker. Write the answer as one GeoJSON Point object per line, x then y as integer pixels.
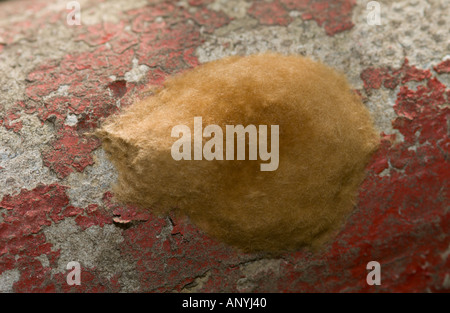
{"type": "Point", "coordinates": [59, 82]}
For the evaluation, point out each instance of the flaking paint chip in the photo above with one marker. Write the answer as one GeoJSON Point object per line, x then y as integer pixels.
{"type": "Point", "coordinates": [325, 140]}
{"type": "Point", "coordinates": [119, 220]}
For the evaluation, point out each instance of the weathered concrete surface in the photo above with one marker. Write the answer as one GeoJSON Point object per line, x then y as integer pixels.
{"type": "Point", "coordinates": [58, 81]}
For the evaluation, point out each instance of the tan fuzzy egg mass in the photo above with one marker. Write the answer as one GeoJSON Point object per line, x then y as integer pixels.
{"type": "Point", "coordinates": [326, 138]}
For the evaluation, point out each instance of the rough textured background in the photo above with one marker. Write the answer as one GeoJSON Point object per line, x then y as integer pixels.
{"type": "Point", "coordinates": [57, 82]}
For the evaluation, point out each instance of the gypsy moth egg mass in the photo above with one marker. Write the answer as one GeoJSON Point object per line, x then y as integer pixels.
{"type": "Point", "coordinates": [264, 152]}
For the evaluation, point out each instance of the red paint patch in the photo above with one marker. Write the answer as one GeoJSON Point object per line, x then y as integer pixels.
{"type": "Point", "coordinates": [99, 34]}
{"type": "Point", "coordinates": [374, 78]}
{"type": "Point", "coordinates": [28, 212]}
{"type": "Point", "coordinates": [398, 213]}
{"type": "Point", "coordinates": [169, 260]}
{"type": "Point", "coordinates": [94, 216]}
{"type": "Point", "coordinates": [70, 152]}
{"type": "Point", "coordinates": [200, 2]}
{"type": "Point", "coordinates": [210, 20]}
{"type": "Point", "coordinates": [125, 213]}
{"type": "Point", "coordinates": [20, 238]}
{"type": "Point", "coordinates": [270, 13]}
{"type": "Point", "coordinates": [334, 16]}
{"type": "Point", "coordinates": [10, 122]}
{"type": "Point", "coordinates": [443, 67]}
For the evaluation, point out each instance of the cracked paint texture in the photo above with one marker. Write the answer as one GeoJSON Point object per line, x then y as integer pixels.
{"type": "Point", "coordinates": [59, 82]}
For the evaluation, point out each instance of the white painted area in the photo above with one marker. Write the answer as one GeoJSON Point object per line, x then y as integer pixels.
{"type": "Point", "coordinates": [137, 72]}
{"type": "Point", "coordinates": [71, 120]}
{"type": "Point", "coordinates": [20, 156]}
{"type": "Point", "coordinates": [7, 280]}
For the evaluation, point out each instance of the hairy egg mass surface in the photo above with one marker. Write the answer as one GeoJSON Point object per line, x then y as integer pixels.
{"type": "Point", "coordinates": [326, 138]}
